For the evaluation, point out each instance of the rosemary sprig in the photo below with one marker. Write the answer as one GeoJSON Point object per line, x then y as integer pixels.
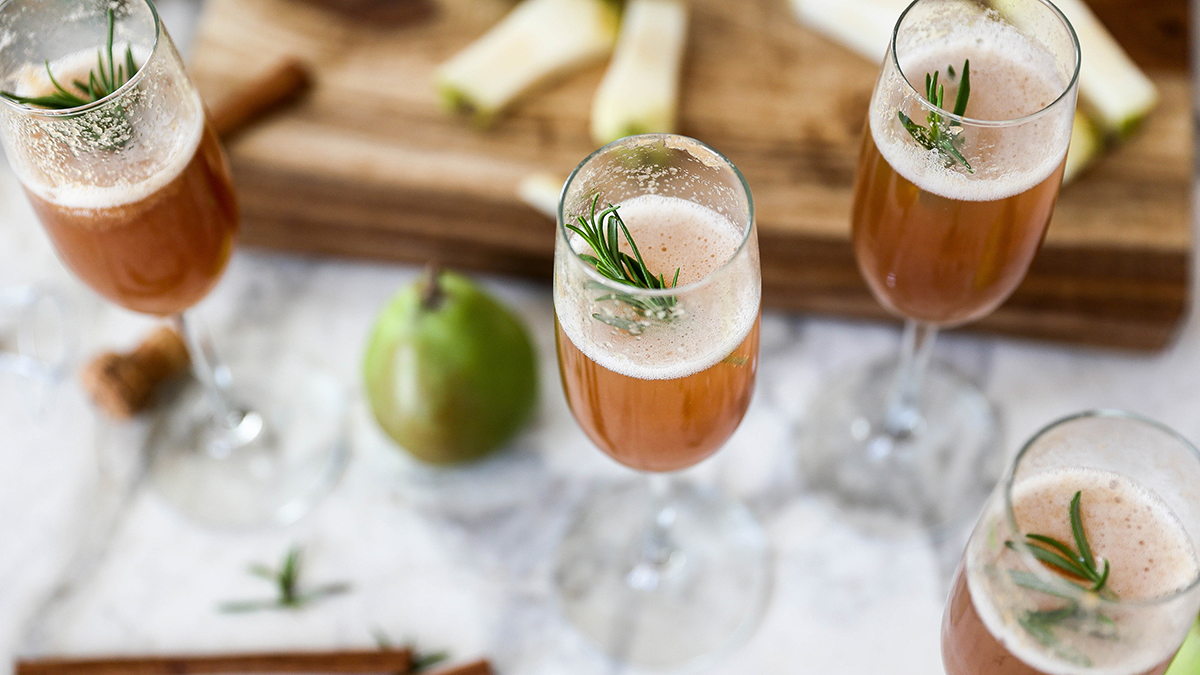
{"type": "Point", "coordinates": [1080, 565]}
{"type": "Point", "coordinates": [602, 231]}
{"type": "Point", "coordinates": [942, 136]}
{"type": "Point", "coordinates": [287, 580]}
{"type": "Point", "coordinates": [101, 80]}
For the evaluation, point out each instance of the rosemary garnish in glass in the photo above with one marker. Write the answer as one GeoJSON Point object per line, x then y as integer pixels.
{"type": "Point", "coordinates": [101, 81]}
{"type": "Point", "coordinates": [601, 232]}
{"type": "Point", "coordinates": [1079, 564]}
{"type": "Point", "coordinates": [942, 136]}
{"type": "Point", "coordinates": [1081, 569]}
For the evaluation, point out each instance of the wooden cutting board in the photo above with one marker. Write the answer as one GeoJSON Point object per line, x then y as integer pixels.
{"type": "Point", "coordinates": [369, 165]}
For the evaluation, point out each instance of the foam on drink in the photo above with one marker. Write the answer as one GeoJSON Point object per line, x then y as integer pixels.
{"type": "Point", "coordinates": [1150, 554]}
{"type": "Point", "coordinates": [1146, 545]}
{"type": "Point", "coordinates": [670, 233]}
{"type": "Point", "coordinates": [167, 144]}
{"type": "Point", "coordinates": [1011, 77]}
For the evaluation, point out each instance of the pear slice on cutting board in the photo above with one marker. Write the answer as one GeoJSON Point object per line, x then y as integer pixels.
{"type": "Point", "coordinates": [536, 41]}
{"type": "Point", "coordinates": [1114, 92]}
{"type": "Point", "coordinates": [640, 90]}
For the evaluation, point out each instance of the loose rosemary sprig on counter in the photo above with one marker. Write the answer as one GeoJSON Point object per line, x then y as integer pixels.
{"type": "Point", "coordinates": [287, 581]}
{"type": "Point", "coordinates": [101, 81]}
{"type": "Point", "coordinates": [601, 232]}
{"type": "Point", "coordinates": [942, 136]}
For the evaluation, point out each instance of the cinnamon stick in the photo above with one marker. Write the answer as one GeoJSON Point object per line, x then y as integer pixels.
{"type": "Point", "coordinates": [389, 661]}
{"type": "Point", "coordinates": [279, 85]}
{"type": "Point", "coordinates": [480, 667]}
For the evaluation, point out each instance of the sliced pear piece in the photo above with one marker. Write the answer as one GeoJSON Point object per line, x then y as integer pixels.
{"type": "Point", "coordinates": [640, 91]}
{"type": "Point", "coordinates": [863, 26]}
{"type": "Point", "coordinates": [1086, 145]}
{"type": "Point", "coordinates": [534, 42]}
{"type": "Point", "coordinates": [1115, 92]}
{"type": "Point", "coordinates": [540, 192]}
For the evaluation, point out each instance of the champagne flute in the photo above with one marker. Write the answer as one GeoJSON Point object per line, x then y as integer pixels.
{"type": "Point", "coordinates": [109, 139]}
{"type": "Point", "coordinates": [1136, 589]}
{"type": "Point", "coordinates": [961, 163]}
{"type": "Point", "coordinates": [659, 573]}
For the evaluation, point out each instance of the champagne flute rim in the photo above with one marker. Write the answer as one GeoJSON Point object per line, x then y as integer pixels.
{"type": "Point", "coordinates": [664, 292]}
{"type": "Point", "coordinates": [1023, 549]}
{"type": "Point", "coordinates": [972, 121]}
{"type": "Point", "coordinates": [98, 103]}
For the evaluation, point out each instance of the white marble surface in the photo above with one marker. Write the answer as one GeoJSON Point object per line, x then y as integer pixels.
{"type": "Point", "coordinates": [91, 561]}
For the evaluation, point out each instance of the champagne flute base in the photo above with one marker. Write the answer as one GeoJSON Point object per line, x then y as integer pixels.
{"type": "Point", "coordinates": [269, 469]}
{"type": "Point", "coordinates": [937, 472]}
{"type": "Point", "coordinates": [667, 581]}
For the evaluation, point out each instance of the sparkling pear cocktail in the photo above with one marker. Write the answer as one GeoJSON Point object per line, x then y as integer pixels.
{"type": "Point", "coordinates": [656, 300]}
{"type": "Point", "coordinates": [668, 395]}
{"type": "Point", "coordinates": [156, 248]}
{"type": "Point", "coordinates": [128, 179]}
{"type": "Point", "coordinates": [1085, 560]}
{"type": "Point", "coordinates": [110, 141]}
{"type": "Point", "coordinates": [945, 240]}
{"type": "Point", "coordinates": [961, 162]}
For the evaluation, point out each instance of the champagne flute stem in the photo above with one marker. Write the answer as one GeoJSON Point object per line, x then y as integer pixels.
{"type": "Point", "coordinates": [903, 414]}
{"type": "Point", "coordinates": [208, 369]}
{"type": "Point", "coordinates": [656, 549]}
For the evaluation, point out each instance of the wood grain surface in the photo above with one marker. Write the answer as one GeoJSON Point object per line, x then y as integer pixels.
{"type": "Point", "coordinates": [369, 165]}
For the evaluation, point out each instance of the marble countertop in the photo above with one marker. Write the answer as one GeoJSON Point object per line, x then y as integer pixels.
{"type": "Point", "coordinates": [92, 561]}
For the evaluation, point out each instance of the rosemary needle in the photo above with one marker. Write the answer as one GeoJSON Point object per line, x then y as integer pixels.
{"type": "Point", "coordinates": [101, 80]}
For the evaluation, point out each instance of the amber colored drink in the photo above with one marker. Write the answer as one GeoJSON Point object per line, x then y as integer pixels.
{"type": "Point", "coordinates": [968, 648]}
{"type": "Point", "coordinates": [159, 254]}
{"type": "Point", "coordinates": [658, 425]}
{"type": "Point", "coordinates": [936, 241]}
{"type": "Point", "coordinates": [1150, 554]}
{"type": "Point", "coordinates": [940, 260]}
{"type": "Point", "coordinates": [668, 397]}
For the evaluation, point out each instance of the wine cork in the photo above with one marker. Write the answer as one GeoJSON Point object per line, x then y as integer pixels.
{"type": "Point", "coordinates": [123, 384]}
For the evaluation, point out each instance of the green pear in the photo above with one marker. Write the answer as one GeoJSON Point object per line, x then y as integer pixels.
{"type": "Point", "coordinates": [1187, 660]}
{"type": "Point", "coordinates": [450, 372]}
